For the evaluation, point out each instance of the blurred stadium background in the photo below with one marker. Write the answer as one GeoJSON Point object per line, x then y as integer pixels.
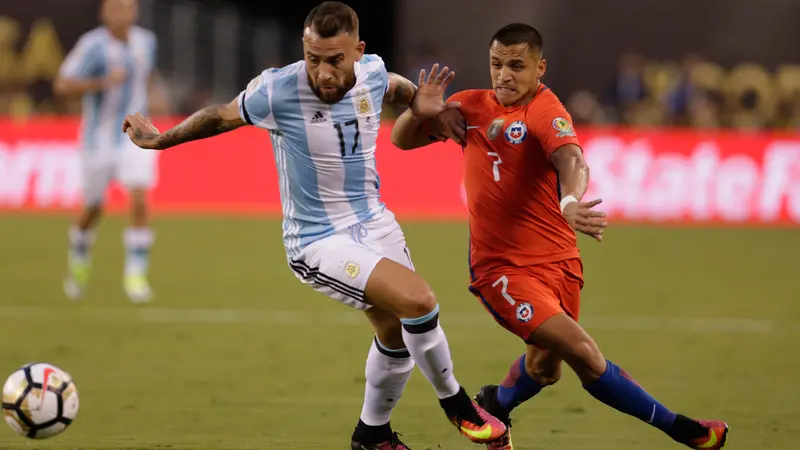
{"type": "Point", "coordinates": [690, 116]}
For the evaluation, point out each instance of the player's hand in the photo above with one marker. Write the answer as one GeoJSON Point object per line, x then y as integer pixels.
{"type": "Point", "coordinates": [141, 131]}
{"type": "Point", "coordinates": [117, 76]}
{"type": "Point", "coordinates": [428, 101]}
{"type": "Point", "coordinates": [454, 126]}
{"type": "Point", "coordinates": [581, 217]}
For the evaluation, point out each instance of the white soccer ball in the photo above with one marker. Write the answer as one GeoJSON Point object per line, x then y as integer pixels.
{"type": "Point", "coordinates": [39, 400]}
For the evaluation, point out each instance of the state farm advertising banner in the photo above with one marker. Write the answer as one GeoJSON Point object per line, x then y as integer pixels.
{"type": "Point", "coordinates": [642, 176]}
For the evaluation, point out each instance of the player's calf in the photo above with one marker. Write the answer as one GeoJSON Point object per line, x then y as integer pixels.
{"type": "Point", "coordinates": [611, 385]}
{"type": "Point", "coordinates": [138, 207]}
{"type": "Point", "coordinates": [78, 261]}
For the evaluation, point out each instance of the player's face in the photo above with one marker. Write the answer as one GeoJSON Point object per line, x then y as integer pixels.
{"type": "Point", "coordinates": [119, 14]}
{"type": "Point", "coordinates": [516, 71]}
{"type": "Point", "coordinates": [330, 63]}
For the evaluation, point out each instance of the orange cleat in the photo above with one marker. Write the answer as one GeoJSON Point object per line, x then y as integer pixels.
{"type": "Point", "coordinates": [491, 430]}
{"type": "Point", "coordinates": [715, 440]}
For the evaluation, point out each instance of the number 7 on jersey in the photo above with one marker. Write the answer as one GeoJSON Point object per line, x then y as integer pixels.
{"type": "Point", "coordinates": [496, 165]}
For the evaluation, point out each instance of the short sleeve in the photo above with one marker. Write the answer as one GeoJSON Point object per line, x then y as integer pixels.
{"type": "Point", "coordinates": [458, 97]}
{"type": "Point", "coordinates": [85, 60]}
{"type": "Point", "coordinates": [254, 102]}
{"type": "Point", "coordinates": [553, 127]}
{"type": "Point", "coordinates": [375, 68]}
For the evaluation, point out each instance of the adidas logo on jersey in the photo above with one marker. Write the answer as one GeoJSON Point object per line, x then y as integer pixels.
{"type": "Point", "coordinates": [318, 118]}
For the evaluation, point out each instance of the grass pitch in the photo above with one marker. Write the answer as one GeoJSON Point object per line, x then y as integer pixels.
{"type": "Point", "coordinates": [235, 353]}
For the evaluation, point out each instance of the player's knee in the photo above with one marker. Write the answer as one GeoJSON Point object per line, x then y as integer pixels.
{"type": "Point", "coordinates": [93, 209]}
{"type": "Point", "coordinates": [544, 375]}
{"type": "Point", "coordinates": [586, 359]}
{"type": "Point", "coordinates": [138, 211]}
{"type": "Point", "coordinates": [138, 206]}
{"type": "Point", "coordinates": [91, 213]}
{"type": "Point", "coordinates": [419, 301]}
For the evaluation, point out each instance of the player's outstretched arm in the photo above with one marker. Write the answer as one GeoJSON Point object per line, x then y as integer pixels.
{"type": "Point", "coordinates": [207, 122]}
{"type": "Point", "coordinates": [573, 173]}
{"type": "Point", "coordinates": [422, 123]}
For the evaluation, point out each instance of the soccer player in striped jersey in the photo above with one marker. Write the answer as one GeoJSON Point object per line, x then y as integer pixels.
{"type": "Point", "coordinates": [111, 68]}
{"type": "Point", "coordinates": [323, 117]}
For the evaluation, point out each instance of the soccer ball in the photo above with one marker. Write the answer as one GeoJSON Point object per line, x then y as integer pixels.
{"type": "Point", "coordinates": [39, 400]}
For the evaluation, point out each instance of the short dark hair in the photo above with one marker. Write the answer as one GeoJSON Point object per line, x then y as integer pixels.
{"type": "Point", "coordinates": [329, 19]}
{"type": "Point", "coordinates": [519, 33]}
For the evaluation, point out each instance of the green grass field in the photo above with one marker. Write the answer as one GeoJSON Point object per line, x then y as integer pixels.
{"type": "Point", "coordinates": [235, 353]}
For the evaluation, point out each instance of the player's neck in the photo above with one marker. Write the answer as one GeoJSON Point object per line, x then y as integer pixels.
{"type": "Point", "coordinates": [527, 98]}
{"type": "Point", "coordinates": [118, 33]}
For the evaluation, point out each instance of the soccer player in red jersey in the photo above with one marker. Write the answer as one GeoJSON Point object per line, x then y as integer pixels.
{"type": "Point", "coordinates": [525, 177]}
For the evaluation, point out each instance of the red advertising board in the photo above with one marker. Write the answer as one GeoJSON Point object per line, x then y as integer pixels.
{"type": "Point", "coordinates": [642, 176]}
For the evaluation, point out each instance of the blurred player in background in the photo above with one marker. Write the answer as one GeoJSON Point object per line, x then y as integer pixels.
{"type": "Point", "coordinates": [112, 68]}
{"type": "Point", "coordinates": [323, 115]}
{"type": "Point", "coordinates": [525, 177]}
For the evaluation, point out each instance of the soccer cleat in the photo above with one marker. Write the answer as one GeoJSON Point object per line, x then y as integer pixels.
{"type": "Point", "coordinates": [487, 399]}
{"type": "Point", "coordinates": [137, 288]}
{"type": "Point", "coordinates": [715, 440]}
{"type": "Point", "coordinates": [504, 443]}
{"type": "Point", "coordinates": [491, 430]}
{"type": "Point", "coordinates": [77, 277]}
{"type": "Point", "coordinates": [392, 444]}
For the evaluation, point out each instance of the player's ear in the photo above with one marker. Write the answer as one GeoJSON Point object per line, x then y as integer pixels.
{"type": "Point", "coordinates": [542, 68]}
{"type": "Point", "coordinates": [361, 47]}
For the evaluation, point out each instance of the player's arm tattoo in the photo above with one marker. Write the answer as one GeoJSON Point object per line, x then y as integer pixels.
{"type": "Point", "coordinates": [573, 172]}
{"type": "Point", "coordinates": [208, 122]}
{"type": "Point", "coordinates": [401, 91]}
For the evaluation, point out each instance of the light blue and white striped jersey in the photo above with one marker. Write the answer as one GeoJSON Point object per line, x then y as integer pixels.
{"type": "Point", "coordinates": [324, 153]}
{"type": "Point", "coordinates": [95, 55]}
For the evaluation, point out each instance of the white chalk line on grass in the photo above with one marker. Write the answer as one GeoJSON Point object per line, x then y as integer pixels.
{"type": "Point", "coordinates": [278, 317]}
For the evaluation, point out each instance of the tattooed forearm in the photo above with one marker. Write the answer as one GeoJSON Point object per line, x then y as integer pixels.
{"type": "Point", "coordinates": [401, 91]}
{"type": "Point", "coordinates": [203, 124]}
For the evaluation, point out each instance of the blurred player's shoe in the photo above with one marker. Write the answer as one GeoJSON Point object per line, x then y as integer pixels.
{"type": "Point", "coordinates": [714, 439]}
{"type": "Point", "coordinates": [137, 288]}
{"type": "Point", "coordinates": [471, 420]}
{"type": "Point", "coordinates": [392, 444]}
{"type": "Point", "coordinates": [76, 279]}
{"type": "Point", "coordinates": [487, 399]}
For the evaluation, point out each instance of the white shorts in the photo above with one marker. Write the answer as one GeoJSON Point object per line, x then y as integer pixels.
{"type": "Point", "coordinates": [340, 265]}
{"type": "Point", "coordinates": [130, 166]}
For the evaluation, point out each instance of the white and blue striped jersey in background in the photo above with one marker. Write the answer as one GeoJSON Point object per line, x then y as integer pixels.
{"type": "Point", "coordinates": [95, 55]}
{"type": "Point", "coordinates": [324, 153]}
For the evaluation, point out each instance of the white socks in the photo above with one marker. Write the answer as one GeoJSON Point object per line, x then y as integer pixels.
{"type": "Point", "coordinates": [137, 250]}
{"type": "Point", "coordinates": [428, 346]}
{"type": "Point", "coordinates": [387, 374]}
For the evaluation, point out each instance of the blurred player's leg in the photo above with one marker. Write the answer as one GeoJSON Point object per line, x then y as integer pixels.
{"type": "Point", "coordinates": [96, 172]}
{"type": "Point", "coordinates": [396, 289]}
{"type": "Point", "coordinates": [613, 386]}
{"type": "Point", "coordinates": [137, 173]}
{"type": "Point", "coordinates": [388, 369]}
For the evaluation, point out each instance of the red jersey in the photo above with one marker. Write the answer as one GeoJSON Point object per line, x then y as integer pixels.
{"type": "Point", "coordinates": [513, 191]}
